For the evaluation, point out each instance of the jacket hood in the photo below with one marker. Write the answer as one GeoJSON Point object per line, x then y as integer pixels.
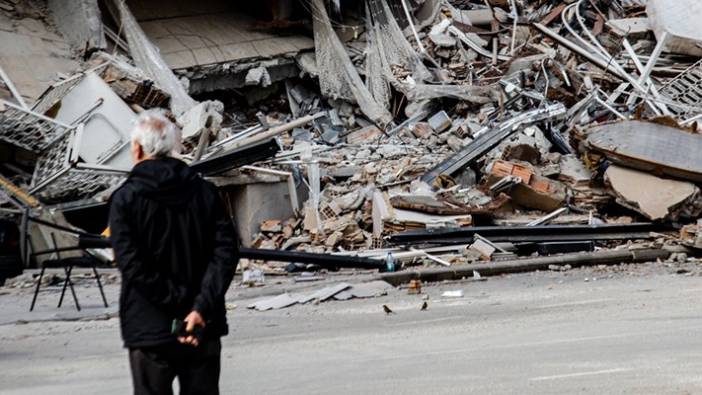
{"type": "Point", "coordinates": [166, 180]}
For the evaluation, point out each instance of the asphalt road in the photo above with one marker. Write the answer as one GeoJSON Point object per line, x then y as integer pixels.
{"type": "Point", "coordinates": [637, 331]}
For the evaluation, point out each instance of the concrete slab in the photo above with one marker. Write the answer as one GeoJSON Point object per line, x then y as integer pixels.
{"type": "Point", "coordinates": [680, 20]}
{"type": "Point", "coordinates": [650, 147]}
{"type": "Point", "coordinates": [257, 202]}
{"type": "Point", "coordinates": [195, 40]}
{"type": "Point", "coordinates": [655, 198]}
{"type": "Point", "coordinates": [32, 55]}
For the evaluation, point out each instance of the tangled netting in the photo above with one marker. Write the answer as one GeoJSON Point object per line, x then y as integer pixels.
{"type": "Point", "coordinates": [147, 58]}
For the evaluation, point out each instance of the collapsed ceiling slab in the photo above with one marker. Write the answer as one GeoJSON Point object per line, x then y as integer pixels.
{"type": "Point", "coordinates": [32, 55]}
{"type": "Point", "coordinates": [198, 40]}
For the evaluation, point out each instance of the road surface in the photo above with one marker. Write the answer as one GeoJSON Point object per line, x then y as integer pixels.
{"type": "Point", "coordinates": [632, 330]}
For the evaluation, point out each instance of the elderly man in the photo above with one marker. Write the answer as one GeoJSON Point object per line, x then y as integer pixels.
{"type": "Point", "coordinates": [177, 251]}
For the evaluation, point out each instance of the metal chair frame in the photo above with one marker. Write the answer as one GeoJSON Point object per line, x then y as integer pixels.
{"type": "Point", "coordinates": [68, 268]}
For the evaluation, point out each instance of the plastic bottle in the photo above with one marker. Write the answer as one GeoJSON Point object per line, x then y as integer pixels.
{"type": "Point", "coordinates": [390, 263]}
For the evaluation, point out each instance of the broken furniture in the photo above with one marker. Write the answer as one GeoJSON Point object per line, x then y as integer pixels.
{"type": "Point", "coordinates": [27, 129]}
{"type": "Point", "coordinates": [61, 175]}
{"type": "Point", "coordinates": [81, 151]}
{"type": "Point", "coordinates": [85, 242]}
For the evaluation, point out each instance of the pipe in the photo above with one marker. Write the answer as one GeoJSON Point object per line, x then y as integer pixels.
{"type": "Point", "coordinates": [13, 90]}
{"type": "Point", "coordinates": [414, 30]}
{"type": "Point", "coordinates": [275, 131]}
{"type": "Point", "coordinates": [608, 257]}
{"type": "Point", "coordinates": [323, 260]}
{"type": "Point", "coordinates": [516, 234]}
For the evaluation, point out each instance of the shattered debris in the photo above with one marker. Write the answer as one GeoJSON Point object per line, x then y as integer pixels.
{"type": "Point", "coordinates": [394, 136]}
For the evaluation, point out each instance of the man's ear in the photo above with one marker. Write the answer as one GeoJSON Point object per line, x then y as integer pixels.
{"type": "Point", "coordinates": [137, 152]}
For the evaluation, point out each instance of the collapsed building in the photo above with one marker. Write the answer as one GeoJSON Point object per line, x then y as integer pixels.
{"type": "Point", "coordinates": [390, 131]}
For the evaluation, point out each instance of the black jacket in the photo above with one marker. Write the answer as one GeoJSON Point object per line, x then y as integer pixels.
{"type": "Point", "coordinates": [176, 248]}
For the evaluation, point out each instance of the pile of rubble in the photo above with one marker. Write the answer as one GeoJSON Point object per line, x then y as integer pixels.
{"type": "Point", "coordinates": [569, 128]}
{"type": "Point", "coordinates": [433, 132]}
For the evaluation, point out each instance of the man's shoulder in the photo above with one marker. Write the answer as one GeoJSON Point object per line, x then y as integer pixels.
{"type": "Point", "coordinates": [123, 192]}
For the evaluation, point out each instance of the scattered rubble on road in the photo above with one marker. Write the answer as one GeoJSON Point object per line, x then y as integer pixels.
{"type": "Point", "coordinates": [384, 134]}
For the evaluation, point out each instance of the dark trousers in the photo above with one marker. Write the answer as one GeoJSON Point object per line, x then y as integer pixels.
{"type": "Point", "coordinates": [197, 368]}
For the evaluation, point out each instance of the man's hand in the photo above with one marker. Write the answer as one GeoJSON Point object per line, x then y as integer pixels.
{"type": "Point", "coordinates": [191, 321]}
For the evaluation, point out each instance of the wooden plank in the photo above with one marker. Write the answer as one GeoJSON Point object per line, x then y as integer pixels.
{"type": "Point", "coordinates": [555, 13]}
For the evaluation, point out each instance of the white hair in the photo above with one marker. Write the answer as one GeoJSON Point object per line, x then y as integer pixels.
{"type": "Point", "coordinates": [156, 134]}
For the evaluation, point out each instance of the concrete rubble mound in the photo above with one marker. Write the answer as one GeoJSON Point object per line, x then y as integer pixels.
{"type": "Point", "coordinates": [376, 135]}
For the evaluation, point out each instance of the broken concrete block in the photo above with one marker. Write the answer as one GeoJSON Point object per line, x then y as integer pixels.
{"type": "Point", "coordinates": [440, 121]}
{"type": "Point", "coordinates": [655, 198]}
{"type": "Point", "coordinates": [691, 234]}
{"type": "Point", "coordinates": [629, 27]}
{"type": "Point", "coordinates": [363, 135]}
{"type": "Point", "coordinates": [455, 143]}
{"type": "Point", "coordinates": [573, 171]}
{"type": "Point", "coordinates": [679, 19]}
{"type": "Point", "coordinates": [330, 210]}
{"type": "Point", "coordinates": [351, 201]}
{"type": "Point", "coordinates": [333, 239]}
{"type": "Point", "coordinates": [530, 145]}
{"type": "Point", "coordinates": [483, 248]}
{"type": "Point", "coordinates": [476, 17]}
{"type": "Point", "coordinates": [422, 130]}
{"type": "Point", "coordinates": [439, 36]}
{"type": "Point", "coordinates": [257, 76]}
{"type": "Point", "coordinates": [271, 226]}
{"type": "Point", "coordinates": [253, 277]}
{"type": "Point", "coordinates": [533, 191]}
{"type": "Point", "coordinates": [343, 171]}
{"type": "Point", "coordinates": [206, 115]}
